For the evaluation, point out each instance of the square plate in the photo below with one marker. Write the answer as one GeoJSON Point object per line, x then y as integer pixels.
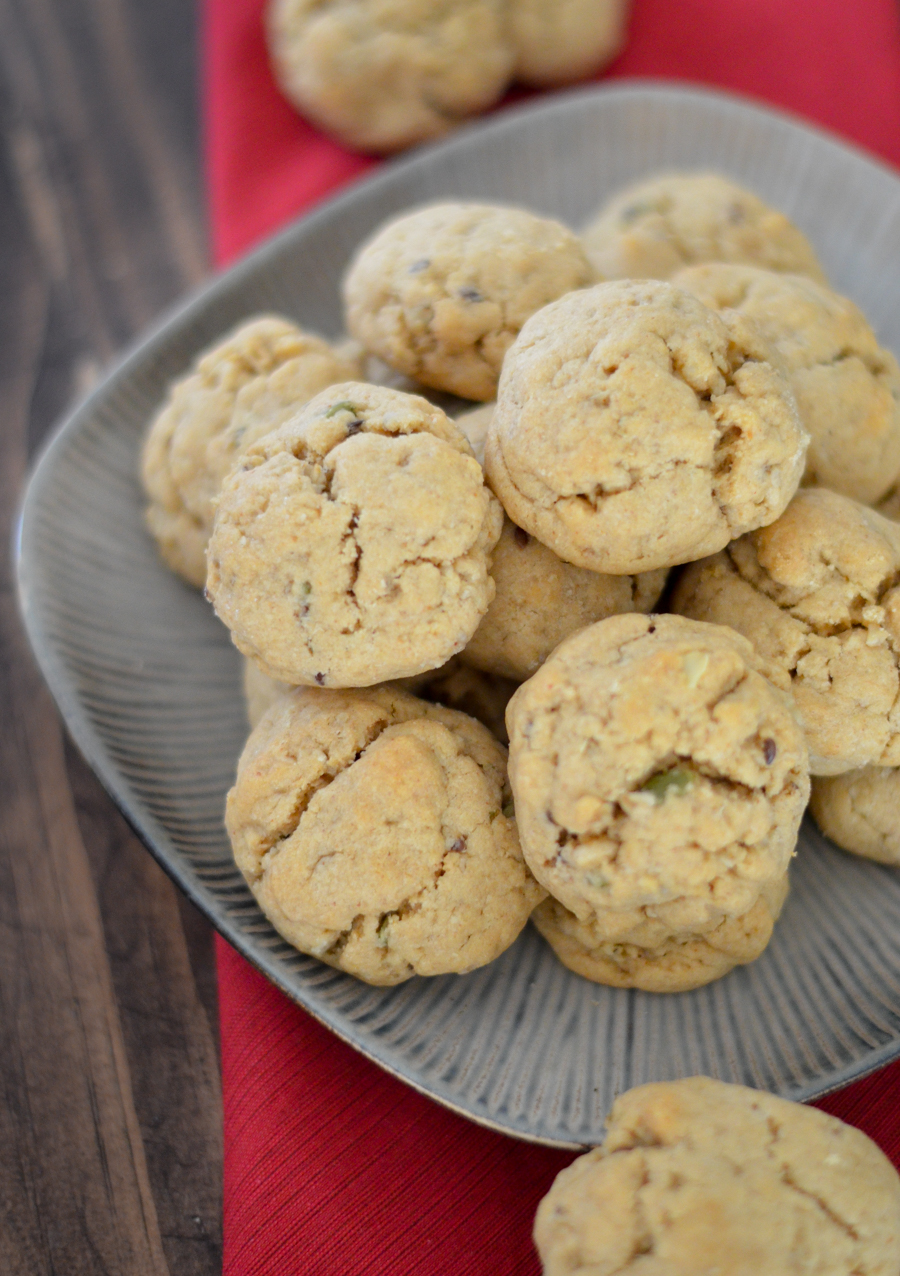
{"type": "Point", "coordinates": [148, 682]}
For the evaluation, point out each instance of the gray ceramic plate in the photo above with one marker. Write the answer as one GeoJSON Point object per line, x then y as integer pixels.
{"type": "Point", "coordinates": [148, 681]}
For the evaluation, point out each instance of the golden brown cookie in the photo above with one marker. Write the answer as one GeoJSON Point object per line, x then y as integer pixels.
{"type": "Point", "coordinates": [661, 224]}
{"type": "Point", "coordinates": [540, 600]}
{"type": "Point", "coordinates": [384, 74]}
{"type": "Point", "coordinates": [860, 811]}
{"type": "Point", "coordinates": [658, 775]}
{"type": "Point", "coordinates": [370, 826]}
{"type": "Point", "coordinates": [846, 385]}
{"type": "Point", "coordinates": [635, 428]}
{"type": "Point", "coordinates": [700, 1178]}
{"type": "Point", "coordinates": [610, 949]}
{"type": "Point", "coordinates": [441, 293]}
{"type": "Point", "coordinates": [560, 41]}
{"type": "Point", "coordinates": [817, 595]}
{"type": "Point", "coordinates": [240, 388]}
{"type": "Point", "coordinates": [352, 545]}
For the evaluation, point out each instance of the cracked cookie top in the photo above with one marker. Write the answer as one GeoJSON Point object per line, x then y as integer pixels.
{"type": "Point", "coordinates": [655, 227]}
{"type": "Point", "coordinates": [384, 74]}
{"type": "Point", "coordinates": [240, 388]}
{"type": "Point", "coordinates": [635, 428]}
{"type": "Point", "coordinates": [658, 775]}
{"type": "Point", "coordinates": [352, 545]}
{"type": "Point", "coordinates": [376, 832]}
{"type": "Point", "coordinates": [818, 595]}
{"type": "Point", "coordinates": [846, 385]}
{"type": "Point", "coordinates": [703, 1177]}
{"type": "Point", "coordinates": [441, 293]}
{"type": "Point", "coordinates": [540, 600]}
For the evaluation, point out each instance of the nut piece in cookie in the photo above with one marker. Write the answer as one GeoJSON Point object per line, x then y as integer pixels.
{"type": "Point", "coordinates": [541, 599]}
{"type": "Point", "coordinates": [564, 40]}
{"type": "Point", "coordinates": [659, 777]}
{"type": "Point", "coordinates": [613, 950]}
{"type": "Point", "coordinates": [657, 226]}
{"type": "Point", "coordinates": [384, 74]}
{"type": "Point", "coordinates": [846, 385]}
{"type": "Point", "coordinates": [240, 388]}
{"type": "Point", "coordinates": [817, 594]}
{"type": "Point", "coordinates": [370, 826]}
{"type": "Point", "coordinates": [860, 811]}
{"type": "Point", "coordinates": [352, 545]}
{"type": "Point", "coordinates": [441, 293]}
{"type": "Point", "coordinates": [700, 1177]}
{"type": "Point", "coordinates": [635, 428]}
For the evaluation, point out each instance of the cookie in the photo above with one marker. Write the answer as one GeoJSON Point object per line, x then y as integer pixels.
{"type": "Point", "coordinates": [384, 74]}
{"type": "Point", "coordinates": [540, 600]}
{"type": "Point", "coordinates": [658, 775]}
{"type": "Point", "coordinates": [635, 429]}
{"type": "Point", "coordinates": [860, 811]}
{"type": "Point", "coordinates": [700, 1177]}
{"type": "Point", "coordinates": [441, 293]}
{"type": "Point", "coordinates": [370, 826]}
{"type": "Point", "coordinates": [648, 955]}
{"type": "Point", "coordinates": [352, 545]}
{"type": "Point", "coordinates": [240, 388]}
{"type": "Point", "coordinates": [846, 385]}
{"type": "Point", "coordinates": [816, 593]}
{"type": "Point", "coordinates": [565, 40]}
{"type": "Point", "coordinates": [661, 224]}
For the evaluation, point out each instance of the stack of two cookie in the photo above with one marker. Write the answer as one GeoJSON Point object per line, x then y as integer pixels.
{"type": "Point", "coordinates": [659, 776]}
{"type": "Point", "coordinates": [350, 555]}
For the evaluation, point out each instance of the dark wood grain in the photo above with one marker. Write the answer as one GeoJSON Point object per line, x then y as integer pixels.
{"type": "Point", "coordinates": [110, 1129]}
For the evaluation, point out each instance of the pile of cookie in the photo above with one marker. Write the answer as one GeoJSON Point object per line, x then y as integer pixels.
{"type": "Point", "coordinates": [381, 75]}
{"type": "Point", "coordinates": [654, 539]}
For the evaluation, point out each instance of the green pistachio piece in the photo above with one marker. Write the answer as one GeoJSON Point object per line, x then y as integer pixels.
{"type": "Point", "coordinates": [343, 406]}
{"type": "Point", "coordinates": [676, 780]}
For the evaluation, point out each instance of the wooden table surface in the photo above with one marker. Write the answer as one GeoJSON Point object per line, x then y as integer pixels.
{"type": "Point", "coordinates": [110, 1120]}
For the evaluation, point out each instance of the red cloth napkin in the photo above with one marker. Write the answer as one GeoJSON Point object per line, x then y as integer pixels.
{"type": "Point", "coordinates": [333, 1168]}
